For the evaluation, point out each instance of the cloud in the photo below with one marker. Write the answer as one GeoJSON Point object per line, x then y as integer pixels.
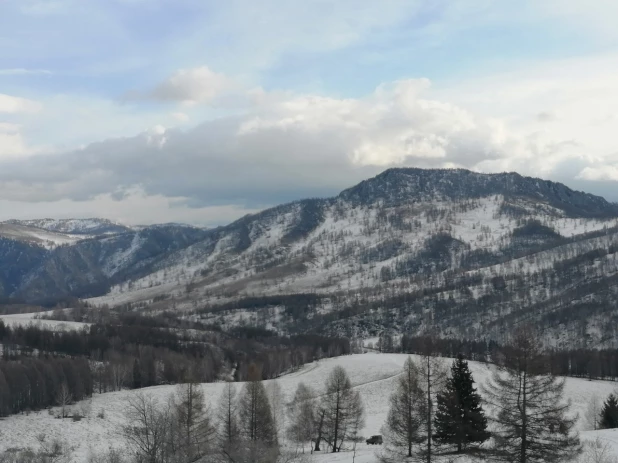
{"type": "Point", "coordinates": [23, 72]}
{"type": "Point", "coordinates": [288, 147]}
{"type": "Point", "coordinates": [12, 143]}
{"type": "Point", "coordinates": [13, 104]}
{"type": "Point", "coordinates": [135, 208]}
{"type": "Point", "coordinates": [188, 86]}
{"type": "Point", "coordinates": [605, 172]}
{"type": "Point", "coordinates": [181, 117]}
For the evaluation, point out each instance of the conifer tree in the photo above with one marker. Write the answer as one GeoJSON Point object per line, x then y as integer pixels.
{"type": "Point", "coordinates": [460, 419]}
{"type": "Point", "coordinates": [229, 431]}
{"type": "Point", "coordinates": [196, 430]}
{"type": "Point", "coordinates": [533, 421]}
{"type": "Point", "coordinates": [406, 416]}
{"type": "Point", "coordinates": [256, 421]}
{"type": "Point", "coordinates": [609, 413]}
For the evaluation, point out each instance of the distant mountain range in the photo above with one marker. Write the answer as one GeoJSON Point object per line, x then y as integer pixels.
{"type": "Point", "coordinates": [463, 253]}
{"type": "Point", "coordinates": [92, 226]}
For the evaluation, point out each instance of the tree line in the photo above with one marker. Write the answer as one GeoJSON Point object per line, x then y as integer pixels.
{"type": "Point", "coordinates": [432, 414]}
{"type": "Point", "coordinates": [108, 357]}
{"type": "Point", "coordinates": [36, 383]}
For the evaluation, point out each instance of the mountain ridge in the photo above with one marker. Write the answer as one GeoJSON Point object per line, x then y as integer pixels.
{"type": "Point", "coordinates": [463, 250]}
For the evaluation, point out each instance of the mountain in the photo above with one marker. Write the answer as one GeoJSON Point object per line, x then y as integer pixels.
{"type": "Point", "coordinates": [75, 226]}
{"type": "Point", "coordinates": [461, 253]}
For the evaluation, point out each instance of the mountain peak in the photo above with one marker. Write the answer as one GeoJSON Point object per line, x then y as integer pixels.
{"type": "Point", "coordinates": [404, 185]}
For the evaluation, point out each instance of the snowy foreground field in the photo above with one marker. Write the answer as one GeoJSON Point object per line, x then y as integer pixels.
{"type": "Point", "coordinates": [372, 374]}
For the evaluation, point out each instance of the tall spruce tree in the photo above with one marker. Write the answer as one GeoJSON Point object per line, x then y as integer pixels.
{"type": "Point", "coordinates": [609, 413]}
{"type": "Point", "coordinates": [460, 419]}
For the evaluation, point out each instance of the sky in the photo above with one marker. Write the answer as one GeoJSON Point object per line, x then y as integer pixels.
{"type": "Point", "coordinates": [201, 111]}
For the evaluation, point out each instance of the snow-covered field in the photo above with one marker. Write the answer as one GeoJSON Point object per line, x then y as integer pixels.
{"type": "Point", "coordinates": [372, 374]}
{"type": "Point", "coordinates": [26, 319]}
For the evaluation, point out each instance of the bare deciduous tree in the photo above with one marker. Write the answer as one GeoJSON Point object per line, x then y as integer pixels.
{"type": "Point", "coordinates": [147, 433]}
{"type": "Point", "coordinates": [256, 422]}
{"type": "Point", "coordinates": [432, 375]}
{"type": "Point", "coordinates": [342, 407]}
{"type": "Point", "coordinates": [302, 416]}
{"type": "Point", "coordinates": [194, 426]}
{"type": "Point", "coordinates": [532, 419]}
{"type": "Point", "coordinates": [592, 414]}
{"type": "Point", "coordinates": [64, 398]}
{"type": "Point", "coordinates": [406, 416]}
{"type": "Point", "coordinates": [229, 432]}
{"type": "Point", "coordinates": [276, 398]}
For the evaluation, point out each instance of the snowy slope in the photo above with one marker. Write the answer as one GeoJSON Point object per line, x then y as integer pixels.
{"type": "Point", "coordinates": [37, 236]}
{"type": "Point", "coordinates": [93, 226]}
{"type": "Point", "coordinates": [373, 375]}
{"type": "Point", "coordinates": [27, 319]}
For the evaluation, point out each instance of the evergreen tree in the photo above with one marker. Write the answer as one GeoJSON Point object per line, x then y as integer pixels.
{"type": "Point", "coordinates": [609, 413]}
{"type": "Point", "coordinates": [460, 419]}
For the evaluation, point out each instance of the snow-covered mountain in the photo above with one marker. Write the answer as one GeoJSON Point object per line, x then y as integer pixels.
{"type": "Point", "coordinates": [91, 227]}
{"type": "Point", "coordinates": [468, 254]}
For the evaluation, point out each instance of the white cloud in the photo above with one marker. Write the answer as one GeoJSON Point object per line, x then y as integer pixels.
{"type": "Point", "coordinates": [135, 208]}
{"type": "Point", "coordinates": [189, 86]}
{"type": "Point", "coordinates": [605, 172]}
{"type": "Point", "coordinates": [23, 72]}
{"type": "Point", "coordinates": [12, 143]}
{"type": "Point", "coordinates": [181, 117]}
{"type": "Point", "coordinates": [13, 104]}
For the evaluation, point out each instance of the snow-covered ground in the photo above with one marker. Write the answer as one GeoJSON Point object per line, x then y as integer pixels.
{"type": "Point", "coordinates": [25, 319]}
{"type": "Point", "coordinates": [38, 236]}
{"type": "Point", "coordinates": [373, 375]}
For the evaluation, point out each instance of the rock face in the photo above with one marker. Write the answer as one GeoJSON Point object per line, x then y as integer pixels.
{"type": "Point", "coordinates": [468, 254]}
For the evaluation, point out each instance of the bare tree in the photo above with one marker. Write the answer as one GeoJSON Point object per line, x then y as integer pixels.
{"type": "Point", "coordinates": [302, 416]}
{"type": "Point", "coordinates": [432, 375]}
{"type": "Point", "coordinates": [229, 432]}
{"type": "Point", "coordinates": [532, 419]}
{"type": "Point", "coordinates": [64, 398]}
{"type": "Point", "coordinates": [256, 422]}
{"type": "Point", "coordinates": [597, 451]}
{"type": "Point", "coordinates": [195, 429]}
{"type": "Point", "coordinates": [276, 399]}
{"type": "Point", "coordinates": [593, 412]}
{"type": "Point", "coordinates": [406, 416]}
{"type": "Point", "coordinates": [342, 406]}
{"type": "Point", "coordinates": [148, 430]}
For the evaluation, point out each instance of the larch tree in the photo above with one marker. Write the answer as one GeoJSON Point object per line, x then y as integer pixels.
{"type": "Point", "coordinates": [276, 398]}
{"type": "Point", "coordinates": [302, 416]}
{"type": "Point", "coordinates": [528, 407]}
{"type": "Point", "coordinates": [406, 415]}
{"type": "Point", "coordinates": [432, 376]}
{"type": "Point", "coordinates": [342, 408]}
{"type": "Point", "coordinates": [256, 421]}
{"type": "Point", "coordinates": [460, 419]}
{"type": "Point", "coordinates": [229, 431]}
{"type": "Point", "coordinates": [196, 430]}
